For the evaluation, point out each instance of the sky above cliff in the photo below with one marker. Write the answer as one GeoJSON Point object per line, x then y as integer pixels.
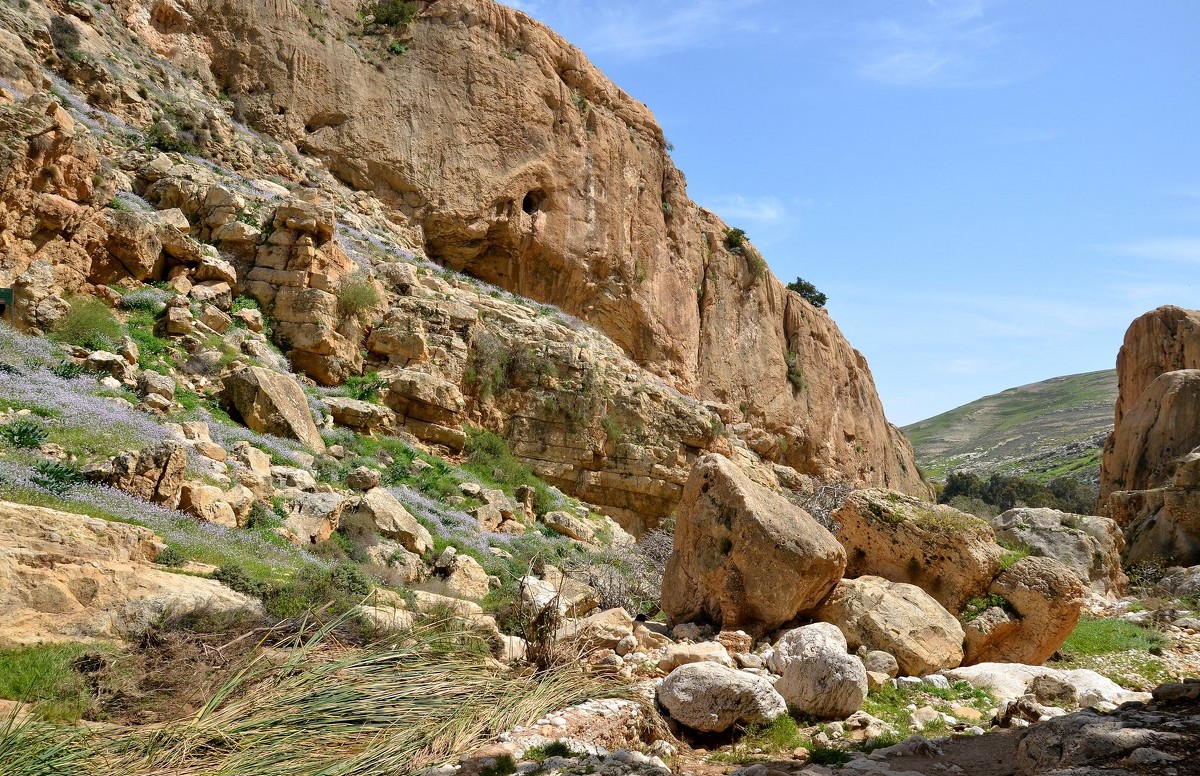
{"type": "Point", "coordinates": [989, 191]}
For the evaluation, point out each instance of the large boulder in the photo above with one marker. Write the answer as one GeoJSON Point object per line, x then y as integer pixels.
{"type": "Point", "coordinates": [271, 403]}
{"type": "Point", "coordinates": [1088, 546]}
{"type": "Point", "coordinates": [711, 698]}
{"type": "Point", "coordinates": [1010, 681]}
{"type": "Point", "coordinates": [947, 553]}
{"type": "Point", "coordinates": [744, 556]}
{"type": "Point", "coordinates": [602, 630]}
{"type": "Point", "coordinates": [819, 677]}
{"type": "Point", "coordinates": [66, 577]}
{"type": "Point", "coordinates": [313, 517]}
{"type": "Point", "coordinates": [896, 618]}
{"type": "Point", "coordinates": [378, 512]}
{"type": "Point", "coordinates": [1043, 602]}
{"type": "Point", "coordinates": [154, 473]}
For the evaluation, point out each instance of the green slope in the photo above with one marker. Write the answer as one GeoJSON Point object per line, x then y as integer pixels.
{"type": "Point", "coordinates": [1041, 430]}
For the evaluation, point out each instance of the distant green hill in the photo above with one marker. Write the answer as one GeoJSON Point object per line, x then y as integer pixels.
{"type": "Point", "coordinates": [1041, 430]}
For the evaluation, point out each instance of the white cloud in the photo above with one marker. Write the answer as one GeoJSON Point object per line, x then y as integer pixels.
{"type": "Point", "coordinates": [1178, 249]}
{"type": "Point", "coordinates": [736, 207]}
{"type": "Point", "coordinates": [949, 44]}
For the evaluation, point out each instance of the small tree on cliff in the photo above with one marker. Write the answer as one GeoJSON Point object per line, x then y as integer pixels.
{"type": "Point", "coordinates": [808, 292]}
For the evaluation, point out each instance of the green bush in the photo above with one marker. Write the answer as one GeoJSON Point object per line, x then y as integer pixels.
{"type": "Point", "coordinates": [89, 324]}
{"type": "Point", "coordinates": [489, 456]}
{"type": "Point", "coordinates": [341, 587]}
{"type": "Point", "coordinates": [808, 292]}
{"type": "Point", "coordinates": [357, 294]}
{"type": "Point", "coordinates": [735, 240]}
{"type": "Point", "coordinates": [172, 557]}
{"type": "Point", "coordinates": [394, 13]}
{"type": "Point", "coordinates": [795, 370]}
{"type": "Point", "coordinates": [24, 432]}
{"type": "Point", "coordinates": [365, 387]}
{"type": "Point", "coordinates": [67, 370]}
{"type": "Point", "coordinates": [55, 477]}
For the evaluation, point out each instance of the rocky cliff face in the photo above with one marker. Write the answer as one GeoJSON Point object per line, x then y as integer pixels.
{"type": "Point", "coordinates": [1150, 480]}
{"type": "Point", "coordinates": [516, 161]}
{"type": "Point", "coordinates": [489, 145]}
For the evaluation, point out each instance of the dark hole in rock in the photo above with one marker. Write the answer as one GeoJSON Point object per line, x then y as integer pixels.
{"type": "Point", "coordinates": [533, 201]}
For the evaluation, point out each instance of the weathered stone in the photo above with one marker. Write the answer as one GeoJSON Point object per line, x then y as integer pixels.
{"type": "Point", "coordinates": [818, 676]}
{"type": "Point", "coordinates": [362, 478]}
{"type": "Point", "coordinates": [110, 364]}
{"type": "Point", "coordinates": [462, 574]}
{"type": "Point", "coordinates": [71, 578]}
{"type": "Point", "coordinates": [154, 383]}
{"type": "Point", "coordinates": [360, 415]}
{"type": "Point", "coordinates": [313, 517]}
{"type": "Point", "coordinates": [568, 525]}
{"type": "Point", "coordinates": [1046, 600]}
{"type": "Point", "coordinates": [744, 556]}
{"type": "Point", "coordinates": [603, 630]}
{"type": "Point", "coordinates": [712, 698]}
{"type": "Point", "coordinates": [675, 655]}
{"type": "Point", "coordinates": [897, 618]}
{"type": "Point", "coordinates": [153, 474]}
{"type": "Point", "coordinates": [378, 512]}
{"type": "Point", "coordinates": [271, 403]}
{"type": "Point", "coordinates": [947, 553]}
{"type": "Point", "coordinates": [206, 503]}
{"type": "Point", "coordinates": [1089, 546]}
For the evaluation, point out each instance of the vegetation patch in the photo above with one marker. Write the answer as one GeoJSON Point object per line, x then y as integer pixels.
{"type": "Point", "coordinates": [44, 675]}
{"type": "Point", "coordinates": [1104, 635]}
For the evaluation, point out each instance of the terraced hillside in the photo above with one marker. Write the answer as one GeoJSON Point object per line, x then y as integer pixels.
{"type": "Point", "coordinates": [1044, 430]}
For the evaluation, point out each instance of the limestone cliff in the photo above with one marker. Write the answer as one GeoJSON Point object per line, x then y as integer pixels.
{"type": "Point", "coordinates": [519, 163]}
{"type": "Point", "coordinates": [1150, 479]}
{"type": "Point", "coordinates": [489, 144]}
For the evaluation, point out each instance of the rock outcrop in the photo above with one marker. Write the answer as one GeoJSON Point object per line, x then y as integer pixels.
{"type": "Point", "coordinates": [153, 474]}
{"type": "Point", "coordinates": [620, 245]}
{"type": "Point", "coordinates": [1043, 603]}
{"type": "Point", "coordinates": [67, 577]}
{"type": "Point", "coordinates": [272, 403]}
{"type": "Point", "coordinates": [949, 554]}
{"type": "Point", "coordinates": [1088, 546]}
{"type": "Point", "coordinates": [743, 556]}
{"type": "Point", "coordinates": [1150, 477]}
{"type": "Point", "coordinates": [896, 618]}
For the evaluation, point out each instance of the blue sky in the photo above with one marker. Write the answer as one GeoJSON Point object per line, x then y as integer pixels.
{"type": "Point", "coordinates": [989, 191]}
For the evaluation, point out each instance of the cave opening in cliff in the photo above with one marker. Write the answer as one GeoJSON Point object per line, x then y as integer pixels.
{"type": "Point", "coordinates": [533, 201]}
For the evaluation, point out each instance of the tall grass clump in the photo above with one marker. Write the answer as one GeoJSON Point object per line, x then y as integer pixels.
{"type": "Point", "coordinates": [336, 711]}
{"type": "Point", "coordinates": [89, 323]}
{"type": "Point", "coordinates": [357, 294]}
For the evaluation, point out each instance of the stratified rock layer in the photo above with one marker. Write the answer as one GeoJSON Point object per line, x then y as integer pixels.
{"type": "Point", "coordinates": [67, 577]}
{"type": "Point", "coordinates": [516, 161]}
{"type": "Point", "coordinates": [1149, 479]}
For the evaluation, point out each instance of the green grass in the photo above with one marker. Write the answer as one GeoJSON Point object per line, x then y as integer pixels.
{"type": "Point", "coordinates": [89, 323]}
{"type": "Point", "coordinates": [1012, 555]}
{"type": "Point", "coordinates": [1018, 425]}
{"type": "Point", "coordinates": [489, 458]}
{"type": "Point", "coordinates": [891, 703]}
{"type": "Point", "coordinates": [1102, 636]}
{"type": "Point", "coordinates": [44, 675]}
{"type": "Point", "coordinates": [763, 741]}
